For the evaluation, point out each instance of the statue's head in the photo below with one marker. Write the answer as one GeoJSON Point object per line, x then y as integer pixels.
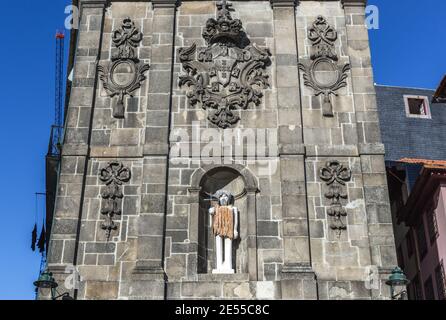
{"type": "Point", "coordinates": [224, 197]}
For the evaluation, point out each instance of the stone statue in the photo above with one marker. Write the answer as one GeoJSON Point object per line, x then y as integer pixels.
{"type": "Point", "coordinates": [224, 223]}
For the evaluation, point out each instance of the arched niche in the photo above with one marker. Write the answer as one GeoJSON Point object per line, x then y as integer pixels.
{"type": "Point", "coordinates": [243, 185]}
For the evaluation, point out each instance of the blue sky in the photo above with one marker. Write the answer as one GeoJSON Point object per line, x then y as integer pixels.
{"type": "Point", "coordinates": [407, 50]}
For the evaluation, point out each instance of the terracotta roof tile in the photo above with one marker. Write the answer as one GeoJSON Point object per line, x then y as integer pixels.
{"type": "Point", "coordinates": [425, 162]}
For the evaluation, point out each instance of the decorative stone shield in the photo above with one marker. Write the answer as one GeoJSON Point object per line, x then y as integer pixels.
{"type": "Point", "coordinates": [227, 75]}
{"type": "Point", "coordinates": [125, 73]}
{"type": "Point", "coordinates": [324, 75]}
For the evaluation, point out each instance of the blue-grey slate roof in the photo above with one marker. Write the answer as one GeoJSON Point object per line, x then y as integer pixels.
{"type": "Point", "coordinates": [406, 137]}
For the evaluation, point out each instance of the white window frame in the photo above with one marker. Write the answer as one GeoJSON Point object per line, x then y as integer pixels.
{"type": "Point", "coordinates": [428, 114]}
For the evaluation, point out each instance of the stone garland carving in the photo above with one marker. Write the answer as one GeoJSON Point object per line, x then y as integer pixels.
{"type": "Point", "coordinates": [229, 73]}
{"type": "Point", "coordinates": [324, 75]}
{"type": "Point", "coordinates": [125, 73]}
{"type": "Point", "coordinates": [114, 176]}
{"type": "Point", "coordinates": [335, 176]}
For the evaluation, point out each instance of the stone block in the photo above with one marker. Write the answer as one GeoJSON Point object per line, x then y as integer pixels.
{"type": "Point", "coordinates": [197, 7]}
{"type": "Point", "coordinates": [124, 137]}
{"type": "Point", "coordinates": [267, 290]}
{"type": "Point", "coordinates": [65, 226]}
{"type": "Point", "coordinates": [267, 228]}
{"type": "Point", "coordinates": [98, 247]}
{"type": "Point", "coordinates": [237, 290]}
{"type": "Point", "coordinates": [150, 247]}
{"type": "Point", "coordinates": [101, 290]}
{"type": "Point", "coordinates": [153, 203]}
{"type": "Point", "coordinates": [151, 225]}
{"type": "Point", "coordinates": [130, 205]}
{"type": "Point", "coordinates": [296, 250]}
{"type": "Point", "coordinates": [201, 289]}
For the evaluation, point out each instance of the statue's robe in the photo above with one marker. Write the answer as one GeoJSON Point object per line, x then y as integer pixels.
{"type": "Point", "coordinates": [223, 224]}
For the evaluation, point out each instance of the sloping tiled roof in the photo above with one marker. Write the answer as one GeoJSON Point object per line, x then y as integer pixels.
{"type": "Point", "coordinates": [440, 94]}
{"type": "Point", "coordinates": [425, 162]}
{"type": "Point", "coordinates": [432, 174]}
{"type": "Point", "coordinates": [407, 137]}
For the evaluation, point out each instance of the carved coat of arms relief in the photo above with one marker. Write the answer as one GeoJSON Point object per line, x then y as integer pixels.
{"type": "Point", "coordinates": [227, 75]}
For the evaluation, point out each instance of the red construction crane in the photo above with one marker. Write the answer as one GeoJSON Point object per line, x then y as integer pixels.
{"type": "Point", "coordinates": [58, 111]}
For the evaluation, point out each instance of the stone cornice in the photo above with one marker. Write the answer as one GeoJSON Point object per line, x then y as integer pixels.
{"type": "Point", "coordinates": [354, 3]}
{"type": "Point", "coordinates": [165, 3]}
{"type": "Point", "coordinates": [93, 3]}
{"type": "Point", "coordinates": [283, 3]}
{"type": "Point", "coordinates": [357, 3]}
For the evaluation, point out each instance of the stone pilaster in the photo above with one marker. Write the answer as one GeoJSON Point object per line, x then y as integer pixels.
{"type": "Point", "coordinates": [150, 255]}
{"type": "Point", "coordinates": [297, 263]}
{"type": "Point", "coordinates": [63, 251]}
{"type": "Point", "coordinates": [370, 147]}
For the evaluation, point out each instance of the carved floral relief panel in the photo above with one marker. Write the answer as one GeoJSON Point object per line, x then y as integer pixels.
{"type": "Point", "coordinates": [114, 175]}
{"type": "Point", "coordinates": [336, 176]}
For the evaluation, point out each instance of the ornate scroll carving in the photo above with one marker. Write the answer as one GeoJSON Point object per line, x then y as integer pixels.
{"type": "Point", "coordinates": [227, 75]}
{"type": "Point", "coordinates": [336, 175]}
{"type": "Point", "coordinates": [125, 73]}
{"type": "Point", "coordinates": [114, 176]}
{"type": "Point", "coordinates": [324, 75]}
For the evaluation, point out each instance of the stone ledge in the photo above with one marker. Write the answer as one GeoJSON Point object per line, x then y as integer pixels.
{"type": "Point", "coordinates": [355, 3]}
{"type": "Point", "coordinates": [75, 150]}
{"type": "Point", "coordinates": [164, 3]}
{"type": "Point", "coordinates": [372, 149]}
{"type": "Point", "coordinates": [156, 149]}
{"type": "Point", "coordinates": [60, 268]}
{"type": "Point", "coordinates": [121, 152]}
{"type": "Point", "coordinates": [93, 4]}
{"type": "Point", "coordinates": [298, 271]}
{"type": "Point", "coordinates": [224, 277]}
{"type": "Point", "coordinates": [283, 3]}
{"type": "Point", "coordinates": [332, 151]}
{"type": "Point", "coordinates": [147, 271]}
{"type": "Point", "coordinates": [244, 290]}
{"type": "Point", "coordinates": [291, 149]}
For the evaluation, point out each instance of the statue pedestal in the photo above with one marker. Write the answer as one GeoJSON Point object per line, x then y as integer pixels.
{"type": "Point", "coordinates": [223, 271]}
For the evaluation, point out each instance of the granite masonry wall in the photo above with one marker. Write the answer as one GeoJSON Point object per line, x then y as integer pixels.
{"type": "Point", "coordinates": [162, 247]}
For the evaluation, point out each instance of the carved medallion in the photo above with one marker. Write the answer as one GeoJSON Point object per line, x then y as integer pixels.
{"type": "Point", "coordinates": [114, 176]}
{"type": "Point", "coordinates": [227, 75]}
{"type": "Point", "coordinates": [335, 176]}
{"type": "Point", "coordinates": [324, 75]}
{"type": "Point", "coordinates": [125, 73]}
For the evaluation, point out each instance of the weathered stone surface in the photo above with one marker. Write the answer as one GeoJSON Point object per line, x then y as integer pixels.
{"type": "Point", "coordinates": [102, 290]}
{"type": "Point", "coordinates": [164, 229]}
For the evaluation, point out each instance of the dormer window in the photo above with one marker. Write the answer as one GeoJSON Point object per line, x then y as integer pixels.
{"type": "Point", "coordinates": [417, 107]}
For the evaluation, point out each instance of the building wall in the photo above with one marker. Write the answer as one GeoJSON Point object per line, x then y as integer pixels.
{"type": "Point", "coordinates": [441, 220]}
{"type": "Point", "coordinates": [288, 248]}
{"type": "Point", "coordinates": [406, 137]}
{"type": "Point", "coordinates": [436, 248]}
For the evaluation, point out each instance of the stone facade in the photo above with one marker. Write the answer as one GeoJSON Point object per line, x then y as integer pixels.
{"type": "Point", "coordinates": [161, 248]}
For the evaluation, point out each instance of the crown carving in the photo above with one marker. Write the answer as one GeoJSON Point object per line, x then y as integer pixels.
{"type": "Point", "coordinates": [224, 28]}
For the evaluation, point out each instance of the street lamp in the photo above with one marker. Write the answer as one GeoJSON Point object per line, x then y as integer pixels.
{"type": "Point", "coordinates": [398, 283]}
{"type": "Point", "coordinates": [46, 281]}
